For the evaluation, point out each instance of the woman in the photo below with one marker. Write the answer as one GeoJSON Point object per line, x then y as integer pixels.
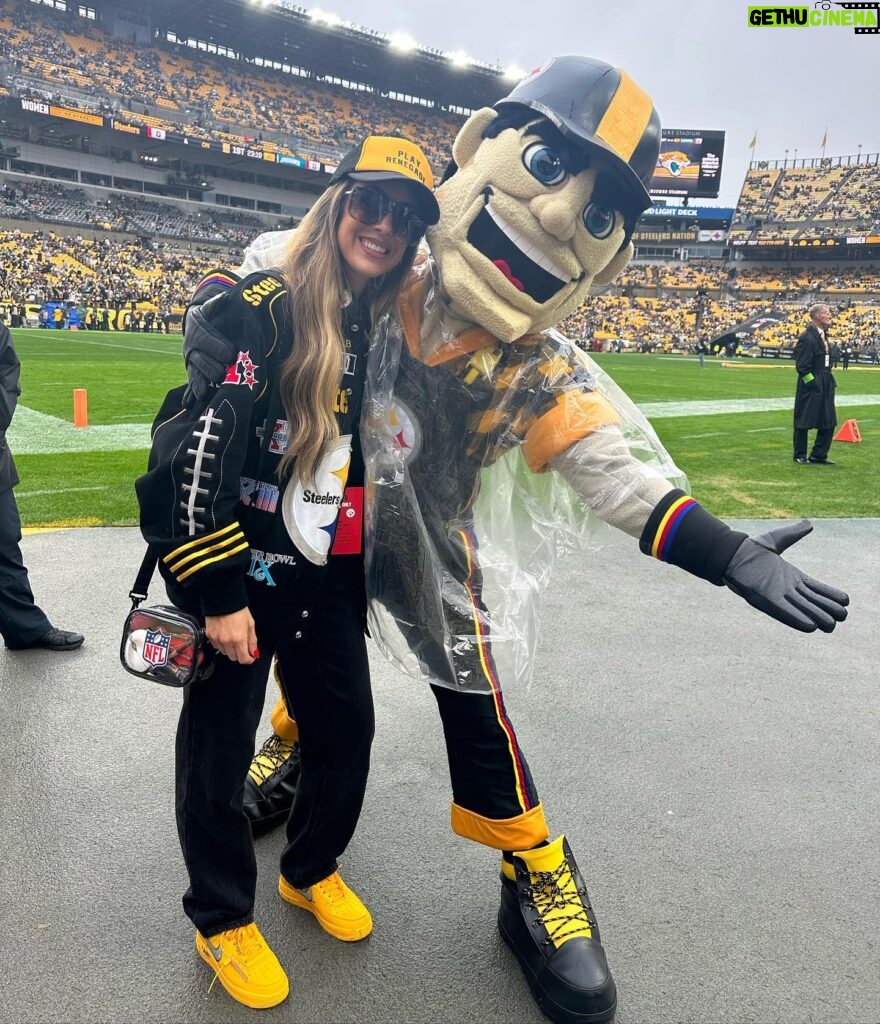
{"type": "Point", "coordinates": [241, 500]}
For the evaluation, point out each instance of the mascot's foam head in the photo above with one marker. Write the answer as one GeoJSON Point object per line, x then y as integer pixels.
{"type": "Point", "coordinates": [543, 195]}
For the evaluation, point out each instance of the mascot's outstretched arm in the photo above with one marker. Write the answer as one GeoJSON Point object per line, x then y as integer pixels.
{"type": "Point", "coordinates": [673, 527]}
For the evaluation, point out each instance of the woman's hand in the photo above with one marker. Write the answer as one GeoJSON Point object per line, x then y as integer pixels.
{"type": "Point", "coordinates": [233, 635]}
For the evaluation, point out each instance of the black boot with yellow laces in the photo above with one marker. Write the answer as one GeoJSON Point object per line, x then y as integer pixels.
{"type": "Point", "coordinates": [547, 921]}
{"type": "Point", "coordinates": [271, 784]}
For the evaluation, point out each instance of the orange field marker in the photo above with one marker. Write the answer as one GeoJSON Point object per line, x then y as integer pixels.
{"type": "Point", "coordinates": [849, 432]}
{"type": "Point", "coordinates": [80, 407]}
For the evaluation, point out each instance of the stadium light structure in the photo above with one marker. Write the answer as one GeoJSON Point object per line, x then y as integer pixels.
{"type": "Point", "coordinates": [459, 58]}
{"type": "Point", "coordinates": [325, 18]}
{"type": "Point", "coordinates": [403, 42]}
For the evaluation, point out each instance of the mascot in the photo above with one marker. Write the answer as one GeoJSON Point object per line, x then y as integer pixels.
{"type": "Point", "coordinates": [476, 426]}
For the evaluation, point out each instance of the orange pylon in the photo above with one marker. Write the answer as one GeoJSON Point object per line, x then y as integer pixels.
{"type": "Point", "coordinates": [849, 432]}
{"type": "Point", "coordinates": [80, 407]}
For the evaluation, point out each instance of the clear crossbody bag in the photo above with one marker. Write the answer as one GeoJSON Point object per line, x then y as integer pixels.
{"type": "Point", "coordinates": [160, 642]}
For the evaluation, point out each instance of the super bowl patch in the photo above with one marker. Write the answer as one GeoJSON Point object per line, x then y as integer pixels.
{"type": "Point", "coordinates": [280, 441]}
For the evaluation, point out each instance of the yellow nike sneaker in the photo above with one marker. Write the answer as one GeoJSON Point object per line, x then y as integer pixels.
{"type": "Point", "coordinates": [338, 909]}
{"type": "Point", "coordinates": [245, 966]}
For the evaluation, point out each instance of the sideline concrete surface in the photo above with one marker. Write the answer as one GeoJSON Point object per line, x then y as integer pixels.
{"type": "Point", "coordinates": [715, 772]}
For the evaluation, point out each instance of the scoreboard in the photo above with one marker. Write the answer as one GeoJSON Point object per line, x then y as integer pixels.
{"type": "Point", "coordinates": [689, 164]}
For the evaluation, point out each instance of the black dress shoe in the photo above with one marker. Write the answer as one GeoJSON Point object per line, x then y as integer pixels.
{"type": "Point", "coordinates": [821, 462]}
{"type": "Point", "coordinates": [54, 640]}
{"type": "Point", "coordinates": [271, 784]}
{"type": "Point", "coordinates": [547, 921]}
{"type": "Point", "coordinates": [801, 460]}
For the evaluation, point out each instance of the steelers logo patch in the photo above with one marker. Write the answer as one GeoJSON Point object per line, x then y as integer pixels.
{"type": "Point", "coordinates": [406, 433]}
{"type": "Point", "coordinates": [310, 511]}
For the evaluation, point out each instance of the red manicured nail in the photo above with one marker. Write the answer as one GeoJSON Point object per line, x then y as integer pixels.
{"type": "Point", "coordinates": [255, 653]}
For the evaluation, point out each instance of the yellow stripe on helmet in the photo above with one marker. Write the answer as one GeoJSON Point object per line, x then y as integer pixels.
{"type": "Point", "coordinates": [627, 117]}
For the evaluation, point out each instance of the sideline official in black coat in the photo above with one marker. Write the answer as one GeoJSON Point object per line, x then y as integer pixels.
{"type": "Point", "coordinates": [22, 623]}
{"type": "Point", "coordinates": [814, 398]}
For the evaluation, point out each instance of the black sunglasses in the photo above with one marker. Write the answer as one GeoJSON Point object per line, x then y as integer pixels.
{"type": "Point", "coordinates": [369, 205]}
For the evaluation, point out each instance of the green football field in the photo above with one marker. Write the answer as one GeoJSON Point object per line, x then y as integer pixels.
{"type": "Point", "coordinates": [728, 427]}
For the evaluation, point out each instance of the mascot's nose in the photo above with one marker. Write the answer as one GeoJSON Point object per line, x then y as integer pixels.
{"type": "Point", "coordinates": [557, 214]}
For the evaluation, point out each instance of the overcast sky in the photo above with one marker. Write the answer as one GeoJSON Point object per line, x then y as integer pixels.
{"type": "Point", "coordinates": [700, 61]}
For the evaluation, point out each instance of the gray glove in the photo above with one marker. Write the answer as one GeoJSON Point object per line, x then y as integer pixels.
{"type": "Point", "coordinates": [206, 352]}
{"type": "Point", "coordinates": [780, 589]}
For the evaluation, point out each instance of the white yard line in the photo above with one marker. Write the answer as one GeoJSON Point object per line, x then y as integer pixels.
{"type": "Point", "coordinates": [664, 410]}
{"type": "Point", "coordinates": [176, 351]}
{"type": "Point", "coordinates": [35, 433]}
{"type": "Point", "coordinates": [58, 490]}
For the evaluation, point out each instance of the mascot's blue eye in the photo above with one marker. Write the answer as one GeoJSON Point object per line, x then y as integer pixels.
{"type": "Point", "coordinates": [544, 163]}
{"type": "Point", "coordinates": [599, 220]}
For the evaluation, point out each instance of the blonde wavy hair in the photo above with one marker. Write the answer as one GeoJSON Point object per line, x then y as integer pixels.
{"type": "Point", "coordinates": [312, 373]}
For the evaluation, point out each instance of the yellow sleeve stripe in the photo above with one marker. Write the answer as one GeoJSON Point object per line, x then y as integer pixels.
{"type": "Point", "coordinates": [208, 561]}
{"type": "Point", "coordinates": [200, 541]}
{"type": "Point", "coordinates": [226, 542]}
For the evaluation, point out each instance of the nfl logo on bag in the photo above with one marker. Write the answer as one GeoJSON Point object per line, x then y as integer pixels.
{"type": "Point", "coordinates": [156, 647]}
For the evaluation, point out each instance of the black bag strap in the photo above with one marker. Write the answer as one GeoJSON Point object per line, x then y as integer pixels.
{"type": "Point", "coordinates": [141, 586]}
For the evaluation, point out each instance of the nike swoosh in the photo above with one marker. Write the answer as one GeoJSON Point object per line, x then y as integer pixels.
{"type": "Point", "coordinates": [307, 893]}
{"type": "Point", "coordinates": [216, 951]}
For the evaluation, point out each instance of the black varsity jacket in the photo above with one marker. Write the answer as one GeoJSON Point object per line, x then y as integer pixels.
{"type": "Point", "coordinates": [225, 524]}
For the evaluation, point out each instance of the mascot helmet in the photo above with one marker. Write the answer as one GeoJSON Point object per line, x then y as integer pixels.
{"type": "Point", "coordinates": [597, 106]}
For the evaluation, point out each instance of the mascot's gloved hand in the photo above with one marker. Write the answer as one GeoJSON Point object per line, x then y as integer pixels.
{"type": "Point", "coordinates": [206, 353]}
{"type": "Point", "coordinates": [780, 589]}
{"type": "Point", "coordinates": [680, 531]}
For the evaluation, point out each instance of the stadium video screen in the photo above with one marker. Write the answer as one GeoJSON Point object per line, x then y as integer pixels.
{"type": "Point", "coordinates": [689, 164]}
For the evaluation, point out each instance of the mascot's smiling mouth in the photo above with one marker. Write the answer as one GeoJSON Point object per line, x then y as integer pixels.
{"type": "Point", "coordinates": [529, 269]}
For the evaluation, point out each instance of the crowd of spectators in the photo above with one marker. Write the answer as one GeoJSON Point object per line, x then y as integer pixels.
{"type": "Point", "coordinates": [809, 202]}
{"type": "Point", "coordinates": [41, 266]}
{"type": "Point", "coordinates": [36, 200]}
{"type": "Point", "coordinates": [856, 202]}
{"type": "Point", "coordinates": [214, 96]}
{"type": "Point", "coordinates": [676, 323]}
{"type": "Point", "coordinates": [719, 277]}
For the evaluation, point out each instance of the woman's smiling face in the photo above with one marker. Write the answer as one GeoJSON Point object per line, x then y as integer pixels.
{"type": "Point", "coordinates": [370, 250]}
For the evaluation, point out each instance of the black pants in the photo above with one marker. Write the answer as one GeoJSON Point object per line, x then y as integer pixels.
{"type": "Point", "coordinates": [821, 445]}
{"type": "Point", "coordinates": [326, 682]}
{"type": "Point", "coordinates": [488, 770]}
{"type": "Point", "coordinates": [21, 620]}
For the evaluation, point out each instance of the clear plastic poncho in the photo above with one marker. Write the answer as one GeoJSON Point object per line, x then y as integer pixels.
{"type": "Point", "coordinates": [462, 532]}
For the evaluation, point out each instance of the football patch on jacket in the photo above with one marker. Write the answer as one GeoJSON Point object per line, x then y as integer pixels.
{"type": "Point", "coordinates": [310, 512]}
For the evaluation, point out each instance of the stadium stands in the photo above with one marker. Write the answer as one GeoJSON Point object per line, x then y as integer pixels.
{"type": "Point", "coordinates": [808, 202]}
{"type": "Point", "coordinates": [38, 267]}
{"type": "Point", "coordinates": [95, 246]}
{"type": "Point", "coordinates": [55, 53]}
{"type": "Point", "coordinates": [38, 200]}
{"type": "Point", "coordinates": [677, 324]}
